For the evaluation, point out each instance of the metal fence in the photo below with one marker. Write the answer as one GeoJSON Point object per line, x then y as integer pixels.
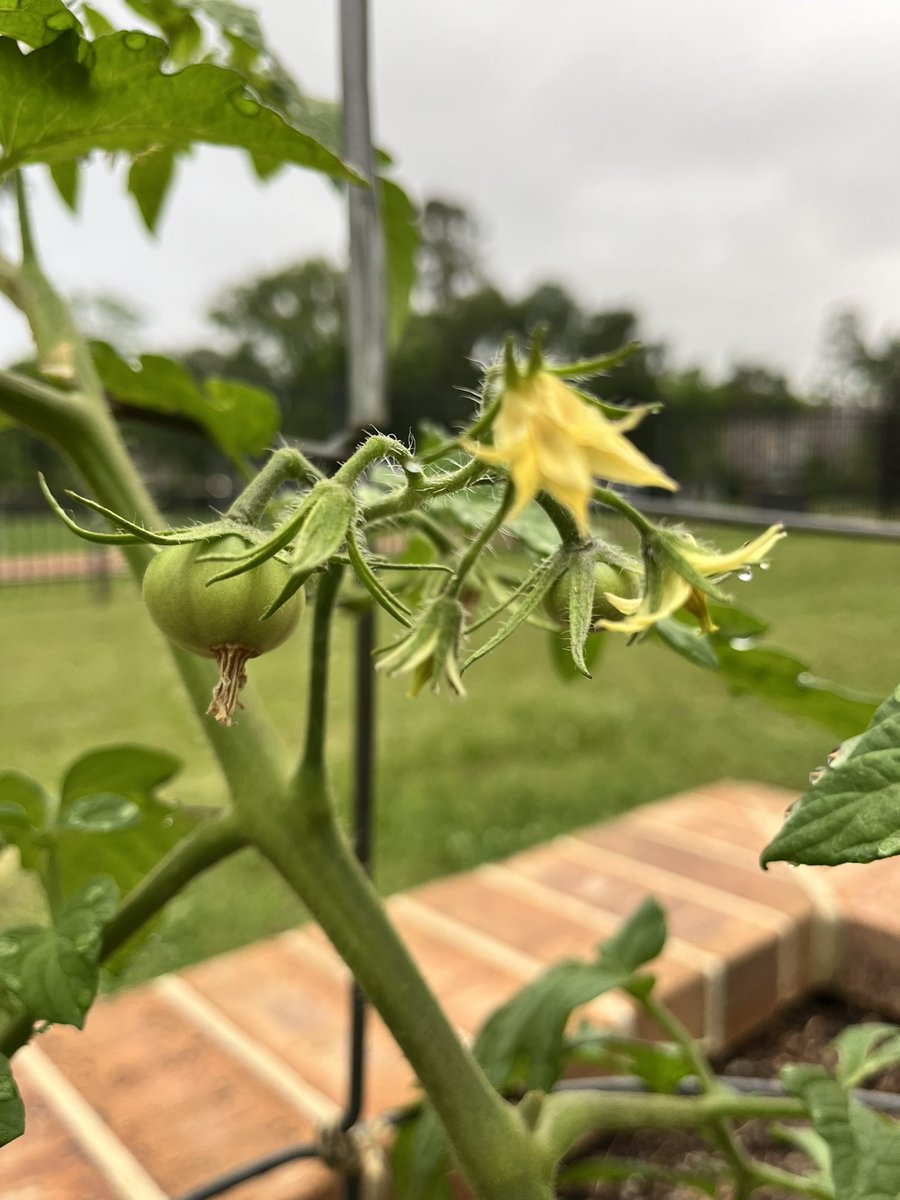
{"type": "Point", "coordinates": [838, 461]}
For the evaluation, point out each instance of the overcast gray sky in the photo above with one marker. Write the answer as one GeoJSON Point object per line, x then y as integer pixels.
{"type": "Point", "coordinates": [731, 170]}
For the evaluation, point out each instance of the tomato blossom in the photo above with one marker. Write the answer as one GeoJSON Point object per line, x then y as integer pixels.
{"type": "Point", "coordinates": [676, 581]}
{"type": "Point", "coordinates": [553, 440]}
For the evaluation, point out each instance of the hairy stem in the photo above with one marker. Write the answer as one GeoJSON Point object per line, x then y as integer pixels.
{"type": "Point", "coordinates": [319, 663]}
{"type": "Point", "coordinates": [284, 465]}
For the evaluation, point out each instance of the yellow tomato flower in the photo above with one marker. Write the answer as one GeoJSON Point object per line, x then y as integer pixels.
{"type": "Point", "coordinates": [554, 441]}
{"type": "Point", "coordinates": [675, 591]}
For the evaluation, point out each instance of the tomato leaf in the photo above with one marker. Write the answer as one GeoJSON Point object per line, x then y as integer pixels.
{"type": "Point", "coordinates": [865, 1147]}
{"type": "Point", "coordinates": [852, 813]}
{"type": "Point", "coordinates": [35, 22]}
{"type": "Point", "coordinates": [68, 98]}
{"type": "Point", "coordinates": [242, 420]}
{"type": "Point", "coordinates": [399, 218]}
{"type": "Point", "coordinates": [111, 820]}
{"type": "Point", "coordinates": [12, 1110]}
{"type": "Point", "coordinates": [149, 181]}
{"type": "Point", "coordinates": [54, 970]}
{"type": "Point", "coordinates": [123, 769]}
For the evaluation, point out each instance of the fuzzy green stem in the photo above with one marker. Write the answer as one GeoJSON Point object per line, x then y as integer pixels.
{"type": "Point", "coordinates": [473, 553]}
{"type": "Point", "coordinates": [380, 445]}
{"type": "Point", "coordinates": [611, 499]}
{"type": "Point", "coordinates": [406, 498]}
{"type": "Point", "coordinates": [284, 465]}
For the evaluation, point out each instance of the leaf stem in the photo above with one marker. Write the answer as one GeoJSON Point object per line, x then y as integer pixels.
{"type": "Point", "coordinates": [285, 464]}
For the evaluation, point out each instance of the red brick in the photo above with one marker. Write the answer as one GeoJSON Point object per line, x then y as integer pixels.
{"type": "Point", "coordinates": [184, 1108]}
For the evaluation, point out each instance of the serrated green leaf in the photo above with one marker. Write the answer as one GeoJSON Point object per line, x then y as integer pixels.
{"type": "Point", "coordinates": [54, 970]}
{"type": "Point", "coordinates": [69, 98]}
{"type": "Point", "coordinates": [103, 813]}
{"type": "Point", "coordinates": [12, 1110]}
{"type": "Point", "coordinates": [399, 218]}
{"type": "Point", "coordinates": [35, 22]}
{"type": "Point", "coordinates": [122, 769]}
{"type": "Point", "coordinates": [863, 1050]}
{"type": "Point", "coordinates": [865, 1147]}
{"type": "Point", "coordinates": [66, 177]}
{"type": "Point", "coordinates": [241, 419]}
{"type": "Point", "coordinates": [852, 813]}
{"type": "Point", "coordinates": [149, 181]}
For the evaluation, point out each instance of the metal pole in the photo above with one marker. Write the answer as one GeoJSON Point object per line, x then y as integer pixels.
{"type": "Point", "coordinates": [366, 301]}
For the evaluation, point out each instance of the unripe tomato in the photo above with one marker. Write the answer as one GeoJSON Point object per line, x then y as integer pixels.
{"type": "Point", "coordinates": [222, 620]}
{"type": "Point", "coordinates": [607, 578]}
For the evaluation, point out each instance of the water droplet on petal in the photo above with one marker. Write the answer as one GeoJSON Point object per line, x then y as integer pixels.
{"type": "Point", "coordinates": [764, 565]}
{"type": "Point", "coordinates": [745, 574]}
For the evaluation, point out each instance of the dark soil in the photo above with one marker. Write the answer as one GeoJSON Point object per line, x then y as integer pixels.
{"type": "Point", "coordinates": [799, 1034]}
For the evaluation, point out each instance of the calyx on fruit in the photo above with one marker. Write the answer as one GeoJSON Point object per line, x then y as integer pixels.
{"type": "Point", "coordinates": [620, 581]}
{"type": "Point", "coordinates": [221, 620]}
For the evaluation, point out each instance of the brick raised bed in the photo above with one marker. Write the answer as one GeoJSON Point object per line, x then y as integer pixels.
{"type": "Point", "coordinates": [192, 1075]}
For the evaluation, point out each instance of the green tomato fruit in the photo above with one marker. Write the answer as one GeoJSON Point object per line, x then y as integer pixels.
{"type": "Point", "coordinates": [607, 578]}
{"type": "Point", "coordinates": [223, 620]}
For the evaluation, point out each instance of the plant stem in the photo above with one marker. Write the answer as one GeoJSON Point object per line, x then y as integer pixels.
{"type": "Point", "coordinates": [468, 560]}
{"type": "Point", "coordinates": [203, 848]}
{"type": "Point", "coordinates": [303, 842]}
{"type": "Point", "coordinates": [380, 445]}
{"type": "Point", "coordinates": [285, 464]}
{"type": "Point", "coordinates": [569, 1116]}
{"type": "Point", "coordinates": [298, 833]}
{"type": "Point", "coordinates": [722, 1133]}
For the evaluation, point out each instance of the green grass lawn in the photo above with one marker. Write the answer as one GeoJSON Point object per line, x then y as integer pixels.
{"type": "Point", "coordinates": [524, 758]}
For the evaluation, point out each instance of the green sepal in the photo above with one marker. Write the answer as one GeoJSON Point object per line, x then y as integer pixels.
{"type": "Point", "coordinates": [590, 368]}
{"type": "Point", "coordinates": [580, 604]}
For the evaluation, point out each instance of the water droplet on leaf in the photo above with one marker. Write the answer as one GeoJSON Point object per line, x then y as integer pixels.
{"type": "Point", "coordinates": [244, 105]}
